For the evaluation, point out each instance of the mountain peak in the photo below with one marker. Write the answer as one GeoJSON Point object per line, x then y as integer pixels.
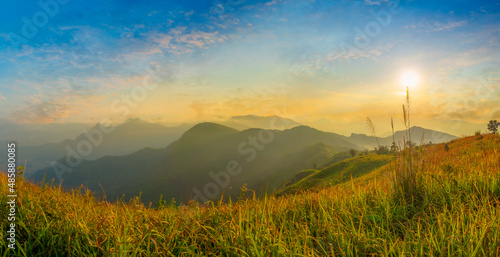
{"type": "Point", "coordinates": [264, 122]}
{"type": "Point", "coordinates": [304, 128]}
{"type": "Point", "coordinates": [206, 131]}
{"type": "Point", "coordinates": [210, 127]}
{"type": "Point", "coordinates": [250, 116]}
{"type": "Point", "coordinates": [134, 120]}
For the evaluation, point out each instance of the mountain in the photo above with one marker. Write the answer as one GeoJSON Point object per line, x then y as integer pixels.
{"type": "Point", "coordinates": [263, 122]}
{"type": "Point", "coordinates": [418, 135]}
{"type": "Point", "coordinates": [36, 134]}
{"type": "Point", "coordinates": [206, 161]}
{"type": "Point", "coordinates": [99, 141]}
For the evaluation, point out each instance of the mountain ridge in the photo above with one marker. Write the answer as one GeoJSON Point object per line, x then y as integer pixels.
{"type": "Point", "coordinates": [202, 151]}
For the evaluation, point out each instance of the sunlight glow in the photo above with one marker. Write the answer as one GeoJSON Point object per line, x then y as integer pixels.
{"type": "Point", "coordinates": [409, 79]}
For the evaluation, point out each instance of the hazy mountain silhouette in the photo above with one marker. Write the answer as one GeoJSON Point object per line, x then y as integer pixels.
{"type": "Point", "coordinates": [416, 137]}
{"type": "Point", "coordinates": [126, 138]}
{"type": "Point", "coordinates": [199, 164]}
{"type": "Point", "coordinates": [36, 134]}
{"type": "Point", "coordinates": [203, 156]}
{"type": "Point", "coordinates": [263, 122]}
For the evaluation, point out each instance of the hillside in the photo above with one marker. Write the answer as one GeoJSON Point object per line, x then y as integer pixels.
{"type": "Point", "coordinates": [457, 216]}
{"type": "Point", "coordinates": [197, 164]}
{"type": "Point", "coordinates": [337, 173]}
{"type": "Point", "coordinates": [336, 158]}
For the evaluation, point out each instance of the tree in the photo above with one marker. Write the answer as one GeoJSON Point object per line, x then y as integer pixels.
{"type": "Point", "coordinates": [352, 152]}
{"type": "Point", "coordinates": [383, 150]}
{"type": "Point", "coordinates": [493, 126]}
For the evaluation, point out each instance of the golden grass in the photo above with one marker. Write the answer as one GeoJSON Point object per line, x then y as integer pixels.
{"type": "Point", "coordinates": [459, 216]}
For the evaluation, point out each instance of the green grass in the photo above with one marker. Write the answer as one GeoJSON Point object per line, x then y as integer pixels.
{"type": "Point", "coordinates": [338, 157]}
{"type": "Point", "coordinates": [458, 215]}
{"type": "Point", "coordinates": [337, 173]}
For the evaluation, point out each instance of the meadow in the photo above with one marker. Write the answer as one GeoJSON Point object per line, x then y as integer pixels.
{"type": "Point", "coordinates": [454, 212]}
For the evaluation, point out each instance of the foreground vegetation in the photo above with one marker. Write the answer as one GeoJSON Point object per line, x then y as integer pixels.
{"type": "Point", "coordinates": [454, 212]}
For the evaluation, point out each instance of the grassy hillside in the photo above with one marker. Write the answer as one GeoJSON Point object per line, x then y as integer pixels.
{"type": "Point", "coordinates": [337, 173]}
{"type": "Point", "coordinates": [457, 215]}
{"type": "Point", "coordinates": [336, 158]}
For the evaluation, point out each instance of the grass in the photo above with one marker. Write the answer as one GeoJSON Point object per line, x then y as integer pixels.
{"type": "Point", "coordinates": [459, 215]}
{"type": "Point", "coordinates": [337, 173]}
{"type": "Point", "coordinates": [336, 158]}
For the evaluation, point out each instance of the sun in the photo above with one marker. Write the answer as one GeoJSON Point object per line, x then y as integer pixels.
{"type": "Point", "coordinates": [409, 79]}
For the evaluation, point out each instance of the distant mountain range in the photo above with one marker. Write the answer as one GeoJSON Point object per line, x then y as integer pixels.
{"type": "Point", "coordinates": [209, 159]}
{"type": "Point", "coordinates": [126, 138]}
{"type": "Point", "coordinates": [37, 148]}
{"type": "Point", "coordinates": [263, 122]}
{"type": "Point", "coordinates": [186, 161]}
{"type": "Point", "coordinates": [203, 163]}
{"type": "Point", "coordinates": [419, 135]}
{"type": "Point", "coordinates": [36, 134]}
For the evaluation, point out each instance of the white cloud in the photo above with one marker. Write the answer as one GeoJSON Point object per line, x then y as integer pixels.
{"type": "Point", "coordinates": [354, 53]}
{"type": "Point", "coordinates": [436, 26]}
{"type": "Point", "coordinates": [188, 14]}
{"type": "Point", "coordinates": [273, 2]}
{"type": "Point", "coordinates": [200, 39]}
{"type": "Point", "coordinates": [143, 52]}
{"type": "Point", "coordinates": [163, 40]}
{"type": "Point", "coordinates": [448, 26]}
{"type": "Point", "coordinates": [375, 2]}
{"type": "Point", "coordinates": [179, 41]}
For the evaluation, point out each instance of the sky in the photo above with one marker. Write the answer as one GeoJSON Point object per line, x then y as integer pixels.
{"type": "Point", "coordinates": [327, 64]}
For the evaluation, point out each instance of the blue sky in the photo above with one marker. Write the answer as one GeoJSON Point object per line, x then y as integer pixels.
{"type": "Point", "coordinates": [328, 64]}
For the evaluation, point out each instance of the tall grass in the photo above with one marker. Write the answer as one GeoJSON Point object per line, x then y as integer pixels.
{"type": "Point", "coordinates": [394, 147]}
{"type": "Point", "coordinates": [371, 127]}
{"type": "Point", "coordinates": [408, 173]}
{"type": "Point", "coordinates": [461, 217]}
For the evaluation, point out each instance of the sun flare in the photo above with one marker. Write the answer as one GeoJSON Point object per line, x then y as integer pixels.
{"type": "Point", "coordinates": [409, 79]}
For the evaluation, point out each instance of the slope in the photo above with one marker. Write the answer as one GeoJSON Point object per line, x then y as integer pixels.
{"type": "Point", "coordinates": [460, 217]}
{"type": "Point", "coordinates": [337, 173]}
